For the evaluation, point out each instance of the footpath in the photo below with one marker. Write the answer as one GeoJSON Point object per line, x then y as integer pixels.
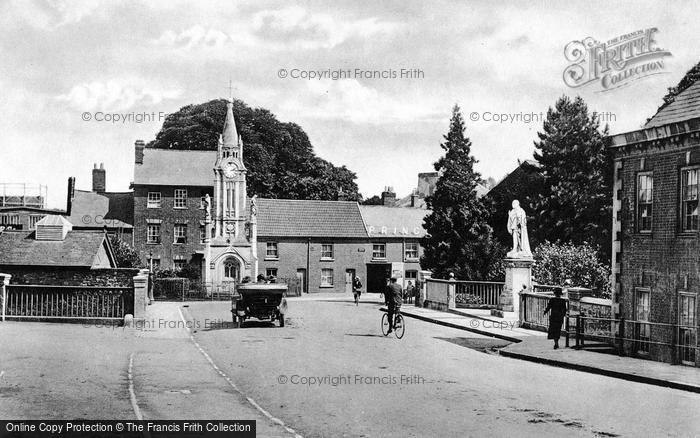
{"type": "Point", "coordinates": [532, 345]}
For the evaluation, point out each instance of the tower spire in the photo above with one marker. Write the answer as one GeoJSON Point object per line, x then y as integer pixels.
{"type": "Point", "coordinates": [230, 135]}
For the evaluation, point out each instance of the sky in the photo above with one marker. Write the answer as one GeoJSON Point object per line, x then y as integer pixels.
{"type": "Point", "coordinates": [120, 62]}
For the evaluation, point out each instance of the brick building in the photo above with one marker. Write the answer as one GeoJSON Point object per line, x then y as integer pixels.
{"type": "Point", "coordinates": [656, 226]}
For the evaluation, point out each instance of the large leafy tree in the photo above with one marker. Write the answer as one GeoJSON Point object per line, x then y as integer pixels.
{"type": "Point", "coordinates": [458, 238]}
{"type": "Point", "coordinates": [574, 203]}
{"type": "Point", "coordinates": [279, 157]}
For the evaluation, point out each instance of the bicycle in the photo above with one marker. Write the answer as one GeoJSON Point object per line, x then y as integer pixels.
{"type": "Point", "coordinates": [399, 325]}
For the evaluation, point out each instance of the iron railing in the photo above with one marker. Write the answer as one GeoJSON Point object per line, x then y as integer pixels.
{"type": "Point", "coordinates": [484, 293]}
{"type": "Point", "coordinates": [639, 337]}
{"type": "Point", "coordinates": [41, 302]}
{"type": "Point", "coordinates": [465, 293]}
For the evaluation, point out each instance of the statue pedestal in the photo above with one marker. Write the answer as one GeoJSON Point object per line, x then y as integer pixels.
{"type": "Point", "coordinates": [518, 277]}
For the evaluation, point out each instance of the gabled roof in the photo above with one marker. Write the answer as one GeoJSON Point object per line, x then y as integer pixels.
{"type": "Point", "coordinates": [685, 106]}
{"type": "Point", "coordinates": [385, 221]}
{"type": "Point", "coordinates": [78, 249]}
{"type": "Point", "coordinates": [170, 167]}
{"type": "Point", "coordinates": [110, 209]}
{"type": "Point", "coordinates": [309, 218]}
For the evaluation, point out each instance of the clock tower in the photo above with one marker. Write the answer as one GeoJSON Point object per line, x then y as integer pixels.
{"type": "Point", "coordinates": [230, 248]}
{"type": "Point", "coordinates": [229, 183]}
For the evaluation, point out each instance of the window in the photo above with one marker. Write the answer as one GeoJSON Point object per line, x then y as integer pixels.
{"type": "Point", "coordinates": [202, 234]}
{"type": "Point", "coordinates": [327, 251]}
{"type": "Point", "coordinates": [180, 198]}
{"type": "Point", "coordinates": [326, 277]}
{"type": "Point", "coordinates": [411, 275]}
{"type": "Point", "coordinates": [33, 219]}
{"type": "Point", "coordinates": [178, 265]}
{"type": "Point", "coordinates": [689, 199]}
{"type": "Point", "coordinates": [154, 200]}
{"type": "Point", "coordinates": [180, 233]}
{"type": "Point", "coordinates": [230, 270]}
{"type": "Point", "coordinates": [642, 331]}
{"type": "Point", "coordinates": [271, 272]}
{"type": "Point", "coordinates": [271, 252]}
{"type": "Point", "coordinates": [687, 330]}
{"type": "Point", "coordinates": [411, 250]}
{"type": "Point", "coordinates": [11, 221]}
{"type": "Point", "coordinates": [645, 197]}
{"type": "Point", "coordinates": [379, 251]}
{"type": "Point", "coordinates": [153, 233]}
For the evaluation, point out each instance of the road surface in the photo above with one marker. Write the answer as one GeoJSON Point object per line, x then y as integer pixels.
{"type": "Point", "coordinates": [330, 372]}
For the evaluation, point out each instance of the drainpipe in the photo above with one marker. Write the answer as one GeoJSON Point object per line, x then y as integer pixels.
{"type": "Point", "coordinates": [308, 264]}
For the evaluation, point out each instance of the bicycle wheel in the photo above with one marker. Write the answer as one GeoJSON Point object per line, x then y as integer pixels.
{"type": "Point", "coordinates": [385, 324]}
{"type": "Point", "coordinates": [399, 326]}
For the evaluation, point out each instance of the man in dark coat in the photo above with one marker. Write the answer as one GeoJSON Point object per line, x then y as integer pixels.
{"type": "Point", "coordinates": [393, 297]}
{"type": "Point", "coordinates": [557, 307]}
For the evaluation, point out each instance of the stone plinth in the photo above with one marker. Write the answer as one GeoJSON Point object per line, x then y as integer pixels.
{"type": "Point", "coordinates": [518, 278]}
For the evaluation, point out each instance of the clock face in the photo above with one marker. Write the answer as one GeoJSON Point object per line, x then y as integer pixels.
{"type": "Point", "coordinates": [229, 170]}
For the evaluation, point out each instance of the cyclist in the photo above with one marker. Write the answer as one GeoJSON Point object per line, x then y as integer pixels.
{"type": "Point", "coordinates": [357, 289]}
{"type": "Point", "coordinates": [393, 298]}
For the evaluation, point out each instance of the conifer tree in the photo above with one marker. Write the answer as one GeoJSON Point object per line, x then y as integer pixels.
{"type": "Point", "coordinates": [458, 238]}
{"type": "Point", "coordinates": [575, 203]}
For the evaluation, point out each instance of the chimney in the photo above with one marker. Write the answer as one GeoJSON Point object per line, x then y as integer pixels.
{"type": "Point", "coordinates": [414, 197]}
{"type": "Point", "coordinates": [388, 197]}
{"type": "Point", "coordinates": [71, 195]}
{"type": "Point", "coordinates": [139, 146]}
{"type": "Point", "coordinates": [99, 179]}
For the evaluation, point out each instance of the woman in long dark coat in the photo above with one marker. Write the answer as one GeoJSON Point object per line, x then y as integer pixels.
{"type": "Point", "coordinates": [557, 308]}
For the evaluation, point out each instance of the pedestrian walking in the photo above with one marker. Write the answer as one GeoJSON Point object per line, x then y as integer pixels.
{"type": "Point", "coordinates": [556, 307]}
{"type": "Point", "coordinates": [357, 289]}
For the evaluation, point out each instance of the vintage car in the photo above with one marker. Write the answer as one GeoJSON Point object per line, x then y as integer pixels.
{"type": "Point", "coordinates": [259, 300]}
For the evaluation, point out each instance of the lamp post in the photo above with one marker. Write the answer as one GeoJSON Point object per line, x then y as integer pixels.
{"type": "Point", "coordinates": [150, 261]}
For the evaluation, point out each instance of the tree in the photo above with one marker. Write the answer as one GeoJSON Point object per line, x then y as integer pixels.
{"type": "Point", "coordinates": [279, 156]}
{"type": "Point", "coordinates": [374, 200]}
{"type": "Point", "coordinates": [575, 201]}
{"type": "Point", "coordinates": [458, 238]}
{"type": "Point", "coordinates": [125, 255]}
{"type": "Point", "coordinates": [556, 263]}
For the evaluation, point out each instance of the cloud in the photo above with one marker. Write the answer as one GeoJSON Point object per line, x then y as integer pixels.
{"type": "Point", "coordinates": [196, 37]}
{"type": "Point", "coordinates": [351, 101]}
{"type": "Point", "coordinates": [295, 27]}
{"type": "Point", "coordinates": [51, 14]}
{"type": "Point", "coordinates": [115, 95]}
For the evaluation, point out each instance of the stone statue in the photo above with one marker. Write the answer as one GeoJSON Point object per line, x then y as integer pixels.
{"type": "Point", "coordinates": [254, 206]}
{"type": "Point", "coordinates": [207, 207]}
{"type": "Point", "coordinates": [517, 227]}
